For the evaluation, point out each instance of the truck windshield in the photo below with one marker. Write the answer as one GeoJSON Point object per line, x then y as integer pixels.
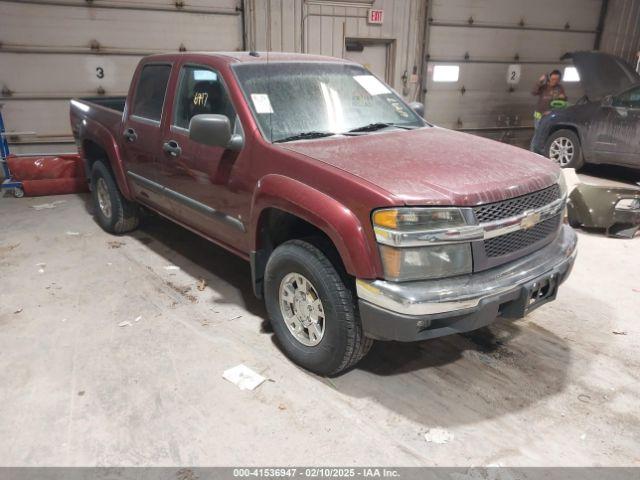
{"type": "Point", "coordinates": [296, 101]}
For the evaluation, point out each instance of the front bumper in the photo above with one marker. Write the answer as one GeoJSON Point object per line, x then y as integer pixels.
{"type": "Point", "coordinates": [426, 309]}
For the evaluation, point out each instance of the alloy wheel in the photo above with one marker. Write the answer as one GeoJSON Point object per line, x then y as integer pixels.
{"type": "Point", "coordinates": [302, 309]}
{"type": "Point", "coordinates": [562, 151]}
{"type": "Point", "coordinates": [104, 200]}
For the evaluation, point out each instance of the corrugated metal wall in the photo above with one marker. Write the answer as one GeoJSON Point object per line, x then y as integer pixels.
{"type": "Point", "coordinates": [621, 34]}
{"type": "Point", "coordinates": [52, 50]}
{"type": "Point", "coordinates": [484, 38]}
{"type": "Point", "coordinates": [321, 27]}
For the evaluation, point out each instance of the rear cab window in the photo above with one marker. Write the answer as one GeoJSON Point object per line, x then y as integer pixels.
{"type": "Point", "coordinates": [201, 90]}
{"type": "Point", "coordinates": [150, 92]}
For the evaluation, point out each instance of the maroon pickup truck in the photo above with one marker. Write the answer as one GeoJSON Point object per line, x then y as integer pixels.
{"type": "Point", "coordinates": [360, 220]}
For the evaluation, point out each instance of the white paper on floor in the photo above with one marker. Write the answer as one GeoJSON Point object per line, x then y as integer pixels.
{"type": "Point", "coordinates": [44, 206]}
{"type": "Point", "coordinates": [243, 377]}
{"type": "Point", "coordinates": [438, 435]}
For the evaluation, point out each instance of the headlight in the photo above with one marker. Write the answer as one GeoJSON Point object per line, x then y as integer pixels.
{"type": "Point", "coordinates": [421, 263]}
{"type": "Point", "coordinates": [425, 243]}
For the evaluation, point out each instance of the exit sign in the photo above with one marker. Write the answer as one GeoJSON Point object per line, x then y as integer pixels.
{"type": "Point", "coordinates": [376, 16]}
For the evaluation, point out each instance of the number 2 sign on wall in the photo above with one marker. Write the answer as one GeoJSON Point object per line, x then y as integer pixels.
{"type": "Point", "coordinates": [513, 74]}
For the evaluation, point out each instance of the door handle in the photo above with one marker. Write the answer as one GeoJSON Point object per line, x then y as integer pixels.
{"type": "Point", "coordinates": [130, 134]}
{"type": "Point", "coordinates": [172, 148]}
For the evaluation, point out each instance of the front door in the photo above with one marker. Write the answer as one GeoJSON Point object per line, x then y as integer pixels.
{"type": "Point", "coordinates": [616, 130]}
{"type": "Point", "coordinates": [142, 135]}
{"type": "Point", "coordinates": [199, 177]}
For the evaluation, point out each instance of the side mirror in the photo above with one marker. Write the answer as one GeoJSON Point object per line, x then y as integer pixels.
{"type": "Point", "coordinates": [418, 108]}
{"type": "Point", "coordinates": [214, 130]}
{"type": "Point", "coordinates": [607, 101]}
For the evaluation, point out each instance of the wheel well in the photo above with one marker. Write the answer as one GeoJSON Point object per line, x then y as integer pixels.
{"type": "Point", "coordinates": [92, 152]}
{"type": "Point", "coordinates": [555, 128]}
{"type": "Point", "coordinates": [276, 227]}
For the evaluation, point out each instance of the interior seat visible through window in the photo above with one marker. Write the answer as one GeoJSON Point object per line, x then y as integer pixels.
{"type": "Point", "coordinates": [201, 91]}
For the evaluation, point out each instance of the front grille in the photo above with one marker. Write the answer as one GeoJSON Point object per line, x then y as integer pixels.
{"type": "Point", "coordinates": [516, 206]}
{"type": "Point", "coordinates": [512, 242]}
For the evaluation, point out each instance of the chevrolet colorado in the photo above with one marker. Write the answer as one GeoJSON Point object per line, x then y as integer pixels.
{"type": "Point", "coordinates": [360, 220]}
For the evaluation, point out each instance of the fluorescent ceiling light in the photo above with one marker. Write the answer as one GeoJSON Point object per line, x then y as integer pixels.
{"type": "Point", "coordinates": [571, 74]}
{"type": "Point", "coordinates": [446, 73]}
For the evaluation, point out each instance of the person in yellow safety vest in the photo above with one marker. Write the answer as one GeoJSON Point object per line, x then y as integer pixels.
{"type": "Point", "coordinates": [549, 91]}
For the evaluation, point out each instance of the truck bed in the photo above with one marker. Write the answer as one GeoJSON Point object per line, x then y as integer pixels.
{"type": "Point", "coordinates": [112, 103]}
{"type": "Point", "coordinates": [105, 111]}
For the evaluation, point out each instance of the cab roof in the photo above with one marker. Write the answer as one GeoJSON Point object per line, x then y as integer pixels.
{"type": "Point", "coordinates": [257, 57]}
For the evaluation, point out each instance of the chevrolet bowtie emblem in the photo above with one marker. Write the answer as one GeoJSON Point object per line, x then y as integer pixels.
{"type": "Point", "coordinates": [530, 220]}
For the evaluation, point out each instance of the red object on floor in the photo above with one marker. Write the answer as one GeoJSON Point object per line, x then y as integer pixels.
{"type": "Point", "coordinates": [49, 175]}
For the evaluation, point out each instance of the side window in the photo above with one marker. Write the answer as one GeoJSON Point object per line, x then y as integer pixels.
{"type": "Point", "coordinates": [630, 99]}
{"type": "Point", "coordinates": [201, 91]}
{"type": "Point", "coordinates": [150, 91]}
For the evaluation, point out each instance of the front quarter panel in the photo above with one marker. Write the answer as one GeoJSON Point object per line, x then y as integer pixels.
{"type": "Point", "coordinates": [337, 221]}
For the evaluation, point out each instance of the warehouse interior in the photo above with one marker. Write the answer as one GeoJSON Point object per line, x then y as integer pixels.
{"type": "Point", "coordinates": [115, 348]}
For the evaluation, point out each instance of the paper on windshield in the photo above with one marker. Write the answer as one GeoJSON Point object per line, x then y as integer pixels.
{"type": "Point", "coordinates": [371, 84]}
{"type": "Point", "coordinates": [261, 102]}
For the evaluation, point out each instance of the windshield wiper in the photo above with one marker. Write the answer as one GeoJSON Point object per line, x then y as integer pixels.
{"type": "Point", "coordinates": [379, 126]}
{"type": "Point", "coordinates": [304, 136]}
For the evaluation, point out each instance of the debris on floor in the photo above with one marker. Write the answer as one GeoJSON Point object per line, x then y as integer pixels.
{"type": "Point", "coordinates": [619, 333]}
{"type": "Point", "coordinates": [126, 323]}
{"type": "Point", "coordinates": [41, 267]}
{"type": "Point", "coordinates": [438, 435]}
{"type": "Point", "coordinates": [172, 268]}
{"type": "Point", "coordinates": [115, 243]}
{"type": "Point", "coordinates": [202, 284]}
{"type": "Point", "coordinates": [73, 234]}
{"type": "Point", "coordinates": [46, 206]}
{"type": "Point", "coordinates": [243, 377]}
{"type": "Point", "coordinates": [8, 248]}
{"type": "Point", "coordinates": [616, 209]}
{"type": "Point", "coordinates": [138, 318]}
{"type": "Point", "coordinates": [18, 310]}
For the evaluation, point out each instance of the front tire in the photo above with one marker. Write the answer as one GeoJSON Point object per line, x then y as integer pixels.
{"type": "Point", "coordinates": [564, 148]}
{"type": "Point", "coordinates": [114, 213]}
{"type": "Point", "coordinates": [312, 311]}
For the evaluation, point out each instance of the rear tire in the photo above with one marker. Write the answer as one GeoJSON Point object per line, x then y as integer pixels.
{"type": "Point", "coordinates": [299, 276]}
{"type": "Point", "coordinates": [564, 148]}
{"type": "Point", "coordinates": [114, 213]}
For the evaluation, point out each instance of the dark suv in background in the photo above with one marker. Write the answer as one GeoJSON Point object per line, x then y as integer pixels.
{"type": "Point", "coordinates": [604, 125]}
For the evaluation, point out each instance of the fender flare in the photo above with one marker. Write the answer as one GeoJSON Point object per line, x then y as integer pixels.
{"type": "Point", "coordinates": [101, 136]}
{"type": "Point", "coordinates": [333, 218]}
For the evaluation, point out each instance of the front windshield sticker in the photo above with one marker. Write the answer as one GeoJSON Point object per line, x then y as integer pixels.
{"type": "Point", "coordinates": [261, 102]}
{"type": "Point", "coordinates": [371, 84]}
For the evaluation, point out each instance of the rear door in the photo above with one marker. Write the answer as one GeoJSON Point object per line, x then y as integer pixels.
{"type": "Point", "coordinates": [142, 135]}
{"type": "Point", "coordinates": [199, 178]}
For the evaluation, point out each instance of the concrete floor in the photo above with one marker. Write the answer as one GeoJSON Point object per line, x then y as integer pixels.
{"type": "Point", "coordinates": [561, 387]}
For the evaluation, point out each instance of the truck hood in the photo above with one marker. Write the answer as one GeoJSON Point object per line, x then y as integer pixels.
{"type": "Point", "coordinates": [602, 74]}
{"type": "Point", "coordinates": [434, 166]}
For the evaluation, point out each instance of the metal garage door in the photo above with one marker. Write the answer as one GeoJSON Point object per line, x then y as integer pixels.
{"type": "Point", "coordinates": [52, 50]}
{"type": "Point", "coordinates": [483, 38]}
